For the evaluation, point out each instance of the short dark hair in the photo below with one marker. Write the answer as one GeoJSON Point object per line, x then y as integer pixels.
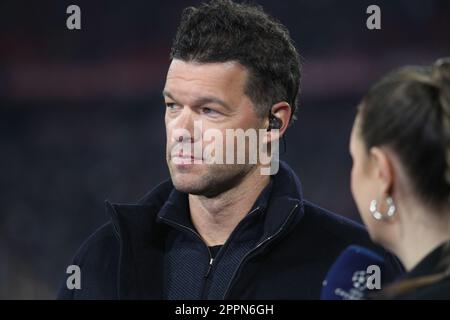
{"type": "Point", "coordinates": [409, 111]}
{"type": "Point", "coordinates": [221, 31]}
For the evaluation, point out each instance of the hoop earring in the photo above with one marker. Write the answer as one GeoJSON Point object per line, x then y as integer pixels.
{"type": "Point", "coordinates": [373, 208]}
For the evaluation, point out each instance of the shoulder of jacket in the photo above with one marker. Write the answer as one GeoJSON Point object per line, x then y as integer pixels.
{"type": "Point", "coordinates": [335, 225]}
{"type": "Point", "coordinates": [345, 231]}
{"type": "Point", "coordinates": [101, 242]}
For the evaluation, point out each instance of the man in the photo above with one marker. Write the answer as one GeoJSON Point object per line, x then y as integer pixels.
{"type": "Point", "coordinates": [220, 230]}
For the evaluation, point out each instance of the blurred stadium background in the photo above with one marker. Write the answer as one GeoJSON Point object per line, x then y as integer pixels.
{"type": "Point", "coordinates": [81, 112]}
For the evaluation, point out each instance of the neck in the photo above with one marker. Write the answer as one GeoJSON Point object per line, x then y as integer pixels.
{"type": "Point", "coordinates": [215, 218]}
{"type": "Point", "coordinates": [422, 231]}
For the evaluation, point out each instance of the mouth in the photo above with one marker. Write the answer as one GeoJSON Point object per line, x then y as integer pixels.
{"type": "Point", "coordinates": [180, 159]}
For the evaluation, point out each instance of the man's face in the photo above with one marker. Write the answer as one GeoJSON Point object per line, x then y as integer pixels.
{"type": "Point", "coordinates": [211, 94]}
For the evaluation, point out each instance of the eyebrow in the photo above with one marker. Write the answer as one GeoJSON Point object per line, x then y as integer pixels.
{"type": "Point", "coordinates": [201, 100]}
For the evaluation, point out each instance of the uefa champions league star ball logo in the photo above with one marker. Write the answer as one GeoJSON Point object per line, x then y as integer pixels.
{"type": "Point", "coordinates": [359, 280]}
{"type": "Point", "coordinates": [362, 280]}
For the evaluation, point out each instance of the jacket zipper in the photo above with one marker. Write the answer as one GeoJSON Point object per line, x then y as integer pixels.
{"type": "Point", "coordinates": [211, 260]}
{"type": "Point", "coordinates": [207, 284]}
{"type": "Point", "coordinates": [238, 269]}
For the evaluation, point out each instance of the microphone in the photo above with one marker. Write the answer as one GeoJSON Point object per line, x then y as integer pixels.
{"type": "Point", "coordinates": [356, 272]}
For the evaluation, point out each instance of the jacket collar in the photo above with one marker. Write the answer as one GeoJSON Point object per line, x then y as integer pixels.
{"type": "Point", "coordinates": [142, 239]}
{"type": "Point", "coordinates": [431, 263]}
{"type": "Point", "coordinates": [176, 208]}
{"type": "Point", "coordinates": [286, 195]}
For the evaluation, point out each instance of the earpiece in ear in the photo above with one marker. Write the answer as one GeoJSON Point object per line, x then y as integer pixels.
{"type": "Point", "coordinates": [274, 123]}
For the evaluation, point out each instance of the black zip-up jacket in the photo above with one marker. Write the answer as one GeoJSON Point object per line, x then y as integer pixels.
{"type": "Point", "coordinates": [124, 259]}
{"type": "Point", "coordinates": [192, 272]}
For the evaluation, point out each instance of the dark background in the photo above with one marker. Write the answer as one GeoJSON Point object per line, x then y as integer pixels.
{"type": "Point", "coordinates": [81, 112]}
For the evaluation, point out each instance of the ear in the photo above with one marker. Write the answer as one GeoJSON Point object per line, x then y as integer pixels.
{"type": "Point", "coordinates": [383, 169]}
{"type": "Point", "coordinates": [282, 111]}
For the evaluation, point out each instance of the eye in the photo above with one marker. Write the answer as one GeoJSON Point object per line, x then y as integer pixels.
{"type": "Point", "coordinates": [209, 111]}
{"type": "Point", "coordinates": [171, 106]}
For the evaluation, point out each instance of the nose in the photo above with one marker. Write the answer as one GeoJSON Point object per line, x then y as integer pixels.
{"type": "Point", "coordinates": [183, 129]}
